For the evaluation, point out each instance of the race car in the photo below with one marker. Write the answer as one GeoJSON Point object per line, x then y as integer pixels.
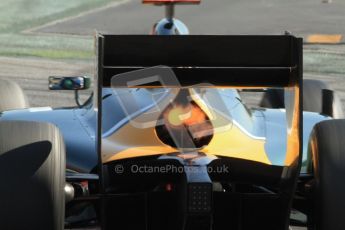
{"type": "Point", "coordinates": [167, 142]}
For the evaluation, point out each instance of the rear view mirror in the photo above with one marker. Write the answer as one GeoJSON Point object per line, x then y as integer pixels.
{"type": "Point", "coordinates": [69, 83]}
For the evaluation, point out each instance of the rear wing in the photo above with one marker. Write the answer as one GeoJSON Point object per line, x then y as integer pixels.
{"type": "Point", "coordinates": [224, 61]}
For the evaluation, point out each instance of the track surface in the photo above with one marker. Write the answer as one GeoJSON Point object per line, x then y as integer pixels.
{"type": "Point", "coordinates": [216, 17]}
{"type": "Point", "coordinates": [32, 75]}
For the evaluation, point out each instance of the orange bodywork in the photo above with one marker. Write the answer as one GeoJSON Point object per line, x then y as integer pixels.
{"type": "Point", "coordinates": [293, 143]}
{"type": "Point", "coordinates": [231, 141]}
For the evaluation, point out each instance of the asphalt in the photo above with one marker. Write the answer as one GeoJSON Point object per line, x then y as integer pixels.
{"type": "Point", "coordinates": [311, 19]}
{"type": "Point", "coordinates": [32, 75]}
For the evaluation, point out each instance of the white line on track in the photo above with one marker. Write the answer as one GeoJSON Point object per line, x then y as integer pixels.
{"type": "Point", "coordinates": [112, 4]}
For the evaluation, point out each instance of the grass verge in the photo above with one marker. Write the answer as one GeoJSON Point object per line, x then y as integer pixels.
{"type": "Point", "coordinates": [19, 15]}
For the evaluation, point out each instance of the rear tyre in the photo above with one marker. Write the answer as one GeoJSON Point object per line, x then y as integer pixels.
{"type": "Point", "coordinates": [11, 96]}
{"type": "Point", "coordinates": [312, 98]}
{"type": "Point", "coordinates": [32, 176]}
{"type": "Point", "coordinates": [327, 148]}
